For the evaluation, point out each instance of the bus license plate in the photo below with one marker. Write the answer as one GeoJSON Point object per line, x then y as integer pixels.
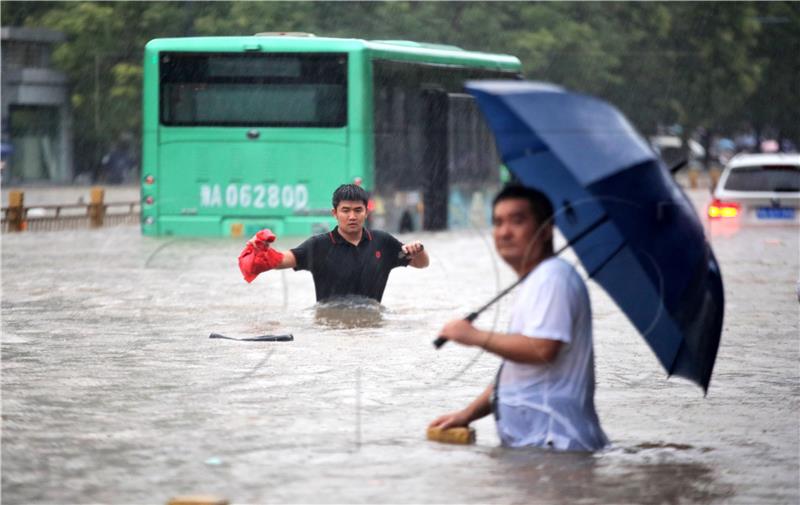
{"type": "Point", "coordinates": [775, 213]}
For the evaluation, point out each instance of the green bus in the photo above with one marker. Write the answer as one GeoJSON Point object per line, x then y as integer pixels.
{"type": "Point", "coordinates": [243, 133]}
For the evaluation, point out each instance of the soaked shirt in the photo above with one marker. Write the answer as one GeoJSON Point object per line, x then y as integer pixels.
{"type": "Point", "coordinates": [551, 405]}
{"type": "Point", "coordinates": [340, 268]}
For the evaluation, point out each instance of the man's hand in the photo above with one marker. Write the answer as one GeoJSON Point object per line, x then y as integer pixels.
{"type": "Point", "coordinates": [451, 420]}
{"type": "Point", "coordinates": [462, 331]}
{"type": "Point", "coordinates": [413, 248]}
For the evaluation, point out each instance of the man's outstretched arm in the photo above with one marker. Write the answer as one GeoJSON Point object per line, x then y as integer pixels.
{"type": "Point", "coordinates": [288, 261]}
{"type": "Point", "coordinates": [258, 257]}
{"type": "Point", "coordinates": [480, 407]}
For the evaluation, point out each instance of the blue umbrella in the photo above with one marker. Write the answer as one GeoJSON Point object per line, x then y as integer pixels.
{"type": "Point", "coordinates": [633, 229]}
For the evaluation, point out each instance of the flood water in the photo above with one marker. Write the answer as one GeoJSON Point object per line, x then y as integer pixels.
{"type": "Point", "coordinates": [112, 391]}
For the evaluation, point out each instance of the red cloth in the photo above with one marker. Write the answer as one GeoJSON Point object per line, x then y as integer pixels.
{"type": "Point", "coordinates": [257, 256]}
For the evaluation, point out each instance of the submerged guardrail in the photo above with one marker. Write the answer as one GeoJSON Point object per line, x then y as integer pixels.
{"type": "Point", "coordinates": [95, 214]}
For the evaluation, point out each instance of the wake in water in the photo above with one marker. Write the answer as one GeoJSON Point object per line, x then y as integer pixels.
{"type": "Point", "coordinates": [349, 312]}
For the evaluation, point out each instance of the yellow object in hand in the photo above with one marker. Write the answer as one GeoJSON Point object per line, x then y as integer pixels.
{"type": "Point", "coordinates": [459, 435]}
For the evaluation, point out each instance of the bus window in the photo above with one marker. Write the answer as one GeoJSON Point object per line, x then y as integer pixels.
{"type": "Point", "coordinates": [432, 145]}
{"type": "Point", "coordinates": [235, 89]}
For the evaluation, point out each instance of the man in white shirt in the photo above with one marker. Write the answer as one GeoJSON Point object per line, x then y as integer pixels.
{"type": "Point", "coordinates": [544, 391]}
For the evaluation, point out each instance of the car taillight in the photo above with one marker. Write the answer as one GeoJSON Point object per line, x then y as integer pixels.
{"type": "Point", "coordinates": [370, 205]}
{"type": "Point", "coordinates": [719, 209]}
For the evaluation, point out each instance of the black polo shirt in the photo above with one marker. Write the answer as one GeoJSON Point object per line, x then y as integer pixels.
{"type": "Point", "coordinates": [340, 268]}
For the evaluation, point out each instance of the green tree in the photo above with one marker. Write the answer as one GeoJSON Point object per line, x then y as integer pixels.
{"type": "Point", "coordinates": [712, 70]}
{"type": "Point", "coordinates": [642, 86]}
{"type": "Point", "coordinates": [777, 59]}
{"type": "Point", "coordinates": [712, 66]}
{"type": "Point", "coordinates": [102, 56]}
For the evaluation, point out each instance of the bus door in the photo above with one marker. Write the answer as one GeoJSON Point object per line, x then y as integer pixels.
{"type": "Point", "coordinates": [435, 180]}
{"type": "Point", "coordinates": [460, 164]}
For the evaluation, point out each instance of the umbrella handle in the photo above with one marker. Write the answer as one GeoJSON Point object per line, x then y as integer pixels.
{"type": "Point", "coordinates": [440, 341]}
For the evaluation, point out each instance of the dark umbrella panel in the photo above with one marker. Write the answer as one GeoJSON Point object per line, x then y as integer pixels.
{"type": "Point", "coordinates": [632, 227]}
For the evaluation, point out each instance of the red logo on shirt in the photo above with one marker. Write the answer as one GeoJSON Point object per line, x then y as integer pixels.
{"type": "Point", "coordinates": [378, 254]}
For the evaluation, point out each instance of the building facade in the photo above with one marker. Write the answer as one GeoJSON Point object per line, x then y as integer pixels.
{"type": "Point", "coordinates": [36, 114]}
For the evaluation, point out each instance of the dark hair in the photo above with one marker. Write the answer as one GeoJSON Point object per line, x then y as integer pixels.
{"type": "Point", "coordinates": [541, 207]}
{"type": "Point", "coordinates": [349, 192]}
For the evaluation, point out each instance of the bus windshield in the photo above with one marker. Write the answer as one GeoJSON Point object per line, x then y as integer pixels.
{"type": "Point", "coordinates": [241, 89]}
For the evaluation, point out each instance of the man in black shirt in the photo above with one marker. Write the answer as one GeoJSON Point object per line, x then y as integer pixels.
{"type": "Point", "coordinates": [348, 260]}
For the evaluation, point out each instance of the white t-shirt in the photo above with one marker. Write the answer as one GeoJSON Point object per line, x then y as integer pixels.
{"type": "Point", "coordinates": [551, 405]}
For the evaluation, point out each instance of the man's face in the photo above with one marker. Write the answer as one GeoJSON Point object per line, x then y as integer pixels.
{"type": "Point", "coordinates": [518, 237]}
{"type": "Point", "coordinates": [350, 215]}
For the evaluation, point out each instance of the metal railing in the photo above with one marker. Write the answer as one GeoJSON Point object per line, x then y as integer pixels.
{"type": "Point", "coordinates": [17, 217]}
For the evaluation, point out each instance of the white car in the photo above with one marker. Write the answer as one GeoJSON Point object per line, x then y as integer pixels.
{"type": "Point", "coordinates": [758, 188]}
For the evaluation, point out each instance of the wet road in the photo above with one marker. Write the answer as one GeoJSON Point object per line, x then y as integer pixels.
{"type": "Point", "coordinates": [112, 391]}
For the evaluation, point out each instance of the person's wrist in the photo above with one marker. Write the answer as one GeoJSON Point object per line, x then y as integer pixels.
{"type": "Point", "coordinates": [480, 338]}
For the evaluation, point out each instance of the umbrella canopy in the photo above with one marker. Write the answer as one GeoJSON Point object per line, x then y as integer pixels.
{"type": "Point", "coordinates": [633, 229]}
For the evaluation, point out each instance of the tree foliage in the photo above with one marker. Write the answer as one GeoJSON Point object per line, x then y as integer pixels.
{"type": "Point", "coordinates": [776, 57]}
{"type": "Point", "coordinates": [715, 66]}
